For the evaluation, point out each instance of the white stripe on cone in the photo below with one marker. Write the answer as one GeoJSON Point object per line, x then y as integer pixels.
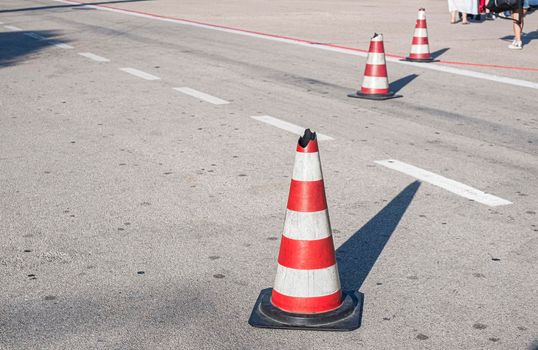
{"type": "Point", "coordinates": [421, 14]}
{"type": "Point", "coordinates": [375, 82]}
{"type": "Point", "coordinates": [420, 49]}
{"type": "Point", "coordinates": [307, 167]}
{"type": "Point", "coordinates": [307, 226]}
{"type": "Point", "coordinates": [307, 283]}
{"type": "Point", "coordinates": [376, 58]}
{"type": "Point", "coordinates": [421, 32]}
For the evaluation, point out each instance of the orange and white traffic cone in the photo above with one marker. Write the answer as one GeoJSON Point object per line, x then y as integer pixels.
{"type": "Point", "coordinates": [420, 46]}
{"type": "Point", "coordinates": [375, 84]}
{"type": "Point", "coordinates": [306, 292]}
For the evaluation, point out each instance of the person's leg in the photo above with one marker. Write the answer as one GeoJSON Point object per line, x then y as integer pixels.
{"type": "Point", "coordinates": [453, 17]}
{"type": "Point", "coordinates": [464, 18]}
{"type": "Point", "coordinates": [517, 17]}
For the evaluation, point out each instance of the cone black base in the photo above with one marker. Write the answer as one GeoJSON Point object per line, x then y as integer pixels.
{"type": "Point", "coordinates": [346, 318]}
{"type": "Point", "coordinates": [420, 60]}
{"type": "Point", "coordinates": [387, 96]}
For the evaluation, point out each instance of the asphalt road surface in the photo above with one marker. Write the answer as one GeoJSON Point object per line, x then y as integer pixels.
{"type": "Point", "coordinates": [145, 165]}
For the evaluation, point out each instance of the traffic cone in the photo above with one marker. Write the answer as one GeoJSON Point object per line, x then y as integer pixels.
{"type": "Point", "coordinates": [420, 47]}
{"type": "Point", "coordinates": [375, 84]}
{"type": "Point", "coordinates": [306, 292]}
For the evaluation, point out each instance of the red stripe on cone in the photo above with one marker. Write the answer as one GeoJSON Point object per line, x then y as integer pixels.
{"type": "Point", "coordinates": [377, 47]}
{"type": "Point", "coordinates": [420, 55]}
{"type": "Point", "coordinates": [312, 147]}
{"type": "Point", "coordinates": [374, 91]}
{"type": "Point", "coordinates": [420, 40]}
{"type": "Point", "coordinates": [306, 255]}
{"type": "Point", "coordinates": [376, 70]}
{"type": "Point", "coordinates": [307, 305]}
{"type": "Point", "coordinates": [421, 23]}
{"type": "Point", "coordinates": [307, 196]}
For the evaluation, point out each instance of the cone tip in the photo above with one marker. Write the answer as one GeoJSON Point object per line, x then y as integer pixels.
{"type": "Point", "coordinates": [378, 35]}
{"type": "Point", "coordinates": [308, 136]}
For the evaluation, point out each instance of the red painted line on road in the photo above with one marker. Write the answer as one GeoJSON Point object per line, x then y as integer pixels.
{"type": "Point", "coordinates": [485, 65]}
{"type": "Point", "coordinates": [457, 63]}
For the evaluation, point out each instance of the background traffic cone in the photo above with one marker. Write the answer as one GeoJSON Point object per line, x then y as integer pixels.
{"type": "Point", "coordinates": [306, 293]}
{"type": "Point", "coordinates": [420, 47]}
{"type": "Point", "coordinates": [375, 84]}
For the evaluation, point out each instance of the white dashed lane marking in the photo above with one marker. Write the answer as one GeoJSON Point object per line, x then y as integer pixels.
{"type": "Point", "coordinates": [201, 96]}
{"type": "Point", "coordinates": [52, 42]}
{"type": "Point", "coordinates": [296, 129]}
{"type": "Point", "coordinates": [445, 183]}
{"type": "Point", "coordinates": [35, 36]}
{"type": "Point", "coordinates": [13, 28]}
{"type": "Point", "coordinates": [139, 74]}
{"type": "Point", "coordinates": [94, 57]}
{"type": "Point", "coordinates": [60, 45]}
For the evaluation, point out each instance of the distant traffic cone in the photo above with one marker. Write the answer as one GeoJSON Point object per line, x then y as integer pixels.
{"type": "Point", "coordinates": [375, 84]}
{"type": "Point", "coordinates": [306, 293]}
{"type": "Point", "coordinates": [420, 47]}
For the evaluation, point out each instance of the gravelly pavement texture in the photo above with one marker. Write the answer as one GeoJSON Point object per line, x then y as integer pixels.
{"type": "Point", "coordinates": [137, 217]}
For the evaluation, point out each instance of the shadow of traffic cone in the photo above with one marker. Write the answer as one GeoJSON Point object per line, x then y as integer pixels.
{"type": "Point", "coordinates": [307, 293]}
{"type": "Point", "coordinates": [420, 47]}
{"type": "Point", "coordinates": [375, 84]}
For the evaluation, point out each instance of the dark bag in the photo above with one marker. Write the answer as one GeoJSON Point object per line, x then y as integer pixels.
{"type": "Point", "coordinates": [498, 6]}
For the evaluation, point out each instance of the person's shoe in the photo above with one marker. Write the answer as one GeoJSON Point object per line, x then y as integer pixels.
{"type": "Point", "coordinates": [516, 45]}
